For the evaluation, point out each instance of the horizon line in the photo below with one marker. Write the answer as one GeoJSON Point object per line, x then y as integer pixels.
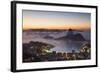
{"type": "Point", "coordinates": [53, 29]}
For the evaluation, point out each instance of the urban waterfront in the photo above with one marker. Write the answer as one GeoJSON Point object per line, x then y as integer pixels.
{"type": "Point", "coordinates": [55, 36]}
{"type": "Point", "coordinates": [40, 46]}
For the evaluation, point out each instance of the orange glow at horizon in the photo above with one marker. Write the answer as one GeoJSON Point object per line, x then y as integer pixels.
{"type": "Point", "coordinates": [56, 20]}
{"type": "Point", "coordinates": [72, 26]}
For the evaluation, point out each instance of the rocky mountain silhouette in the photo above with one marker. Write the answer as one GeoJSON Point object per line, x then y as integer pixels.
{"type": "Point", "coordinates": [71, 36]}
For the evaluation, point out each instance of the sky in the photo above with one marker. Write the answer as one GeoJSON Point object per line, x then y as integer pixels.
{"type": "Point", "coordinates": [33, 19]}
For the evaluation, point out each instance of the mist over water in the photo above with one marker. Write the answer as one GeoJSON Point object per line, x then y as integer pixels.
{"type": "Point", "coordinates": [51, 38]}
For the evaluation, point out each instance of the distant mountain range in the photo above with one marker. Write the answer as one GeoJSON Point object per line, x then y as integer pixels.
{"type": "Point", "coordinates": [44, 29]}
{"type": "Point", "coordinates": [50, 30]}
{"type": "Point", "coordinates": [70, 35]}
